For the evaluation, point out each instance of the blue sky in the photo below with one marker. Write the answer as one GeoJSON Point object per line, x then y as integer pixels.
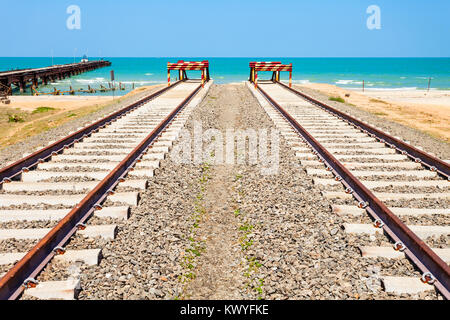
{"type": "Point", "coordinates": [232, 28]}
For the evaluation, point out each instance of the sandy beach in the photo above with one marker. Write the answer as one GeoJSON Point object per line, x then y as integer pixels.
{"type": "Point", "coordinates": [426, 111]}
{"type": "Point", "coordinates": [66, 102]}
{"type": "Point", "coordinates": [432, 97]}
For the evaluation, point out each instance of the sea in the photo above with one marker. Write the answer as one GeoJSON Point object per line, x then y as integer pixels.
{"type": "Point", "coordinates": [377, 73]}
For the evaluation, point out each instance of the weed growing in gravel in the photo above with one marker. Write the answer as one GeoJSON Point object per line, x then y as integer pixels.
{"type": "Point", "coordinates": [246, 227]}
{"type": "Point", "coordinates": [251, 273]}
{"type": "Point", "coordinates": [196, 247]}
{"type": "Point", "coordinates": [245, 241]}
{"type": "Point", "coordinates": [259, 289]}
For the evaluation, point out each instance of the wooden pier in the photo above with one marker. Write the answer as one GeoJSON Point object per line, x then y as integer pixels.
{"type": "Point", "coordinates": [21, 78]}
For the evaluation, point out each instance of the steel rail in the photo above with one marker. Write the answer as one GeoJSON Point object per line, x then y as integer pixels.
{"type": "Point", "coordinates": [417, 155]}
{"type": "Point", "coordinates": [25, 164]}
{"type": "Point", "coordinates": [12, 284]}
{"type": "Point", "coordinates": [416, 249]}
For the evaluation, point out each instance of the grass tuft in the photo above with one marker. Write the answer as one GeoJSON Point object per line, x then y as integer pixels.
{"type": "Point", "coordinates": [15, 118]}
{"type": "Point", "coordinates": [42, 109]}
{"type": "Point", "coordinates": [338, 99]}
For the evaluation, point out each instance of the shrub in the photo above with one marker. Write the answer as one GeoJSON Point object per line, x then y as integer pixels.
{"type": "Point", "coordinates": [42, 109]}
{"type": "Point", "coordinates": [338, 99]}
{"type": "Point", "coordinates": [15, 118]}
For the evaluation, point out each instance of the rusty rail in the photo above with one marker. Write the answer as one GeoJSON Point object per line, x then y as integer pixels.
{"type": "Point", "coordinates": [11, 285]}
{"type": "Point", "coordinates": [416, 249]}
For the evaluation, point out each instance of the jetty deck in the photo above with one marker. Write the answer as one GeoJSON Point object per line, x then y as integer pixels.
{"type": "Point", "coordinates": [21, 78]}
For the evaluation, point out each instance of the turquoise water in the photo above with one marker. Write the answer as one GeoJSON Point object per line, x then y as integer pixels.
{"type": "Point", "coordinates": [377, 73]}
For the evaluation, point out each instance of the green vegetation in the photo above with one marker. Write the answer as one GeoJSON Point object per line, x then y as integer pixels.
{"type": "Point", "coordinates": [246, 228]}
{"type": "Point", "coordinates": [338, 99]}
{"type": "Point", "coordinates": [196, 247]}
{"type": "Point", "coordinates": [17, 125]}
{"type": "Point", "coordinates": [15, 118]}
{"type": "Point", "coordinates": [42, 109]}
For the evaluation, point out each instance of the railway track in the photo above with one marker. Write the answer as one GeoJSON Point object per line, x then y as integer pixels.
{"type": "Point", "coordinates": [395, 197]}
{"type": "Point", "coordinates": [70, 188]}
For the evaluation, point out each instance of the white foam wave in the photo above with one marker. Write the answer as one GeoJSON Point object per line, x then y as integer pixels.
{"type": "Point", "coordinates": [301, 81]}
{"type": "Point", "coordinates": [91, 81]}
{"type": "Point", "coordinates": [348, 82]}
{"type": "Point", "coordinates": [139, 82]}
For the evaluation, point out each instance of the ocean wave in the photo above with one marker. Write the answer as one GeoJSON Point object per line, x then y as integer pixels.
{"type": "Point", "coordinates": [393, 89]}
{"type": "Point", "coordinates": [140, 82]}
{"type": "Point", "coordinates": [65, 81]}
{"type": "Point", "coordinates": [348, 82]}
{"type": "Point", "coordinates": [301, 81]}
{"type": "Point", "coordinates": [91, 81]}
{"type": "Point", "coordinates": [149, 74]}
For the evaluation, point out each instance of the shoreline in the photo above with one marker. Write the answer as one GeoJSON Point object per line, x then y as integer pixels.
{"type": "Point", "coordinates": [369, 87]}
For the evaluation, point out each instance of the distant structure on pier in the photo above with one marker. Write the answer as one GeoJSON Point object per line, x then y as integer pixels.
{"type": "Point", "coordinates": [85, 59]}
